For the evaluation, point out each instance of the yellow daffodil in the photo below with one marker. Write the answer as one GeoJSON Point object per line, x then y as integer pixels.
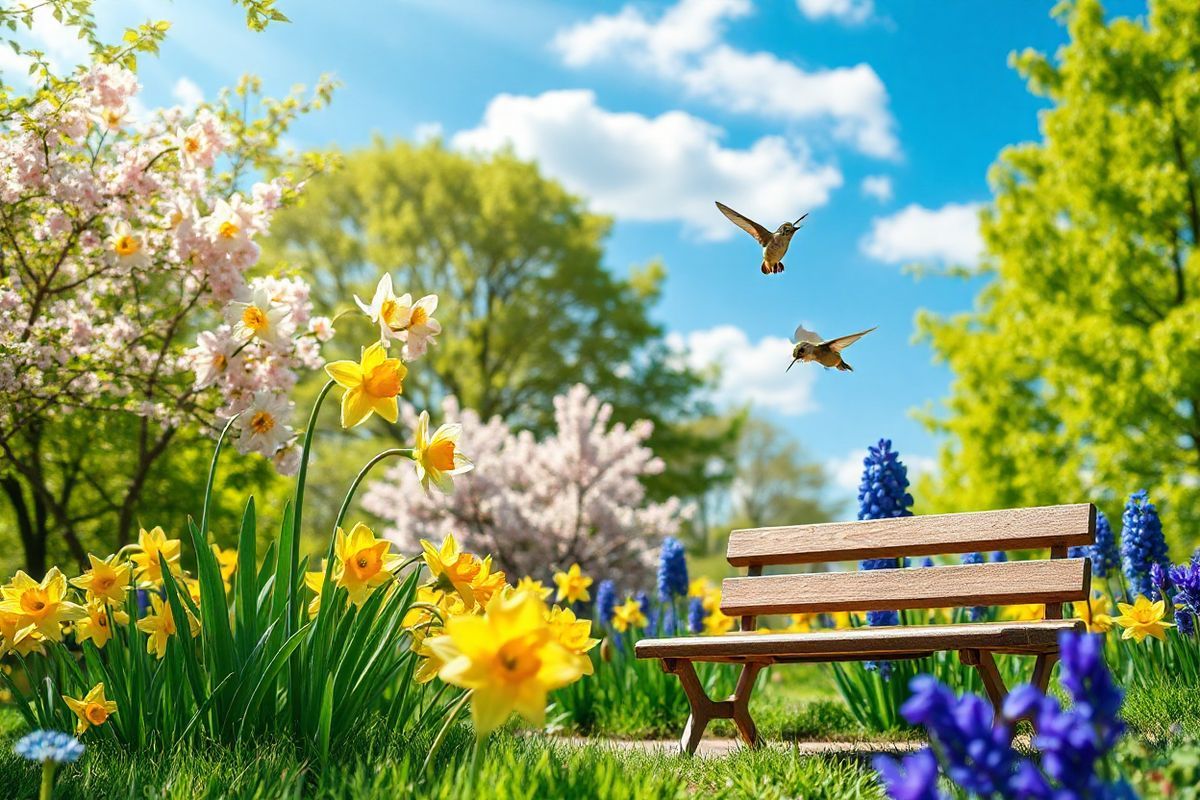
{"type": "Point", "coordinates": [573, 634]}
{"type": "Point", "coordinates": [572, 585]}
{"type": "Point", "coordinates": [95, 625]}
{"type": "Point", "coordinates": [107, 579]}
{"type": "Point", "coordinates": [430, 664]}
{"type": "Point", "coordinates": [452, 570]}
{"type": "Point", "coordinates": [159, 624]}
{"type": "Point", "coordinates": [372, 385]}
{"type": "Point", "coordinates": [509, 658]}
{"type": "Point", "coordinates": [19, 636]}
{"type": "Point", "coordinates": [1143, 619]}
{"type": "Point", "coordinates": [711, 599]}
{"type": "Point", "coordinates": [1095, 614]}
{"type": "Point", "coordinates": [528, 584]}
{"type": "Point", "coordinates": [193, 589]}
{"type": "Point", "coordinates": [1028, 612]}
{"type": "Point", "coordinates": [486, 582]}
{"type": "Point", "coordinates": [699, 587]}
{"type": "Point", "coordinates": [150, 545]}
{"type": "Point", "coordinates": [42, 605]}
{"type": "Point", "coordinates": [629, 615]}
{"type": "Point", "coordinates": [314, 581]}
{"type": "Point", "coordinates": [363, 562]}
{"type": "Point", "coordinates": [717, 622]}
{"type": "Point", "coordinates": [432, 608]}
{"type": "Point", "coordinates": [437, 457]}
{"type": "Point", "coordinates": [799, 623]}
{"type": "Point", "coordinates": [93, 709]}
{"type": "Point", "coordinates": [226, 562]}
{"type": "Point", "coordinates": [842, 620]}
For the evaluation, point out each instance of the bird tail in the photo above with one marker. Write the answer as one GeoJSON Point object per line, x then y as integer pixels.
{"type": "Point", "coordinates": [778, 267]}
{"type": "Point", "coordinates": [766, 269]}
{"type": "Point", "coordinates": [844, 367]}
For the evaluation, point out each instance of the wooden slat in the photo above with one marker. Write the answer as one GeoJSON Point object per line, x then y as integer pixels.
{"type": "Point", "coordinates": [934, 534]}
{"type": "Point", "coordinates": [997, 584]}
{"type": "Point", "coordinates": [1025, 637]}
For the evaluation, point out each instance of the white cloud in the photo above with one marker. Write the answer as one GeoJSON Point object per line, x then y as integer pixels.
{"type": "Point", "coordinates": [751, 372]}
{"type": "Point", "coordinates": [61, 45]}
{"type": "Point", "coordinates": [665, 168]}
{"type": "Point", "coordinates": [846, 471]}
{"type": "Point", "coordinates": [187, 93]}
{"type": "Point", "coordinates": [684, 47]}
{"type": "Point", "coordinates": [851, 12]}
{"type": "Point", "coordinates": [949, 235]}
{"type": "Point", "coordinates": [877, 186]}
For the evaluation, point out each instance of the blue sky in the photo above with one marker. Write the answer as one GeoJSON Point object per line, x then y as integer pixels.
{"type": "Point", "coordinates": [652, 110]}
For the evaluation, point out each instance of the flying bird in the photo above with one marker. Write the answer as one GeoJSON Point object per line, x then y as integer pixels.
{"type": "Point", "coordinates": [826, 352]}
{"type": "Point", "coordinates": [774, 245]}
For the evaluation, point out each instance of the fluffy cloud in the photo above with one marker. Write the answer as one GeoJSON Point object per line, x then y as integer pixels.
{"type": "Point", "coordinates": [851, 12]}
{"type": "Point", "coordinates": [751, 372]}
{"type": "Point", "coordinates": [683, 46]}
{"type": "Point", "coordinates": [669, 167]}
{"type": "Point", "coordinates": [846, 472]}
{"type": "Point", "coordinates": [949, 235]}
{"type": "Point", "coordinates": [187, 93]}
{"type": "Point", "coordinates": [877, 186]}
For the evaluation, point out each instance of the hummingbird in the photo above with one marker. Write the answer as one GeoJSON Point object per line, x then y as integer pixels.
{"type": "Point", "coordinates": [774, 245]}
{"type": "Point", "coordinates": [826, 352]}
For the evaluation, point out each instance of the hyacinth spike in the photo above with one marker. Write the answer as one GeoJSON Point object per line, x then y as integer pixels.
{"type": "Point", "coordinates": [1142, 543]}
{"type": "Point", "coordinates": [606, 601]}
{"type": "Point", "coordinates": [883, 494]}
{"type": "Point", "coordinates": [672, 570]}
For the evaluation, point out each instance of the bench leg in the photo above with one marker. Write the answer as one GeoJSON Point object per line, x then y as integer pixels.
{"type": "Point", "coordinates": [1042, 668]}
{"type": "Point", "coordinates": [704, 709]}
{"type": "Point", "coordinates": [993, 684]}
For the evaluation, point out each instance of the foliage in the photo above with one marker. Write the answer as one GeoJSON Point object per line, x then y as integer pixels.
{"type": "Point", "coordinates": [125, 243]}
{"type": "Point", "coordinates": [537, 506]}
{"type": "Point", "coordinates": [775, 483]}
{"type": "Point", "coordinates": [1079, 368]}
{"type": "Point", "coordinates": [516, 262]}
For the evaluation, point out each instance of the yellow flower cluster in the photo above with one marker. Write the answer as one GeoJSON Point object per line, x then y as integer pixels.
{"type": "Point", "coordinates": [474, 630]}
{"type": "Point", "coordinates": [716, 622]}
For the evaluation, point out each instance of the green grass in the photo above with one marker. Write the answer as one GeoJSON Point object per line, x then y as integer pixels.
{"type": "Point", "coordinates": [1163, 712]}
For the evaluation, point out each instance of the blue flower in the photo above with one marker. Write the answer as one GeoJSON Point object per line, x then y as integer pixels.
{"type": "Point", "coordinates": [647, 606]}
{"type": "Point", "coordinates": [999, 557]}
{"type": "Point", "coordinates": [1103, 552]}
{"type": "Point", "coordinates": [883, 494]}
{"type": "Point", "coordinates": [696, 615]}
{"type": "Point", "coordinates": [606, 601]}
{"type": "Point", "coordinates": [672, 570]}
{"type": "Point", "coordinates": [1159, 582]}
{"type": "Point", "coordinates": [1142, 542]}
{"type": "Point", "coordinates": [1185, 622]}
{"type": "Point", "coordinates": [53, 746]}
{"type": "Point", "coordinates": [926, 562]}
{"type": "Point", "coordinates": [914, 778]}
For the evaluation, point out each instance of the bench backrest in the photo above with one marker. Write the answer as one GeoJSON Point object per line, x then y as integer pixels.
{"type": "Point", "coordinates": [1050, 582]}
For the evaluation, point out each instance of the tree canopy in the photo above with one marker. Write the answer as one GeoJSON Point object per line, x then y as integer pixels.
{"type": "Point", "coordinates": [1077, 375]}
{"type": "Point", "coordinates": [518, 265]}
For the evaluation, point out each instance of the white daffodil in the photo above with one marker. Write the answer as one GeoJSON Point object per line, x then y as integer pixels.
{"type": "Point", "coordinates": [260, 318]}
{"type": "Point", "coordinates": [263, 426]}
{"type": "Point", "coordinates": [127, 248]}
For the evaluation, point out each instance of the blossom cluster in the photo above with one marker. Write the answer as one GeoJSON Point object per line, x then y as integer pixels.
{"type": "Point", "coordinates": [573, 497]}
{"type": "Point", "coordinates": [978, 757]}
{"type": "Point", "coordinates": [123, 240]}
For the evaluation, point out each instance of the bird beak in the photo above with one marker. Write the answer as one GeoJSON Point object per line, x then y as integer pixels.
{"type": "Point", "coordinates": [789, 369]}
{"type": "Point", "coordinates": [802, 216]}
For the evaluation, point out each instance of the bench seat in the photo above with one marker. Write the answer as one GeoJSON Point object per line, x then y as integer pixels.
{"type": "Point", "coordinates": [1031, 638]}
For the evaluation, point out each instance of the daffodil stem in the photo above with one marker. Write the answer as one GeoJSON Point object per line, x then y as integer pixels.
{"type": "Point", "coordinates": [47, 790]}
{"type": "Point", "coordinates": [477, 759]}
{"type": "Point", "coordinates": [362, 474]}
{"type": "Point", "coordinates": [302, 473]}
{"type": "Point", "coordinates": [451, 716]}
{"type": "Point", "coordinates": [212, 475]}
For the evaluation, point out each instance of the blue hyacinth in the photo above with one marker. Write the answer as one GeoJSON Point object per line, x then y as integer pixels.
{"type": "Point", "coordinates": [926, 562]}
{"type": "Point", "coordinates": [999, 557]}
{"type": "Point", "coordinates": [672, 570]}
{"type": "Point", "coordinates": [696, 615]}
{"type": "Point", "coordinates": [1142, 543]}
{"type": "Point", "coordinates": [606, 601]}
{"type": "Point", "coordinates": [1103, 552]}
{"type": "Point", "coordinates": [883, 494]}
{"type": "Point", "coordinates": [648, 608]}
{"type": "Point", "coordinates": [53, 746]}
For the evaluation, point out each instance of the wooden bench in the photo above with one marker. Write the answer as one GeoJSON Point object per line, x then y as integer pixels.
{"type": "Point", "coordinates": [1050, 582]}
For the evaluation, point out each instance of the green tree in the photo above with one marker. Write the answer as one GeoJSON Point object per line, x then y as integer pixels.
{"type": "Point", "coordinates": [517, 264]}
{"type": "Point", "coordinates": [775, 483]}
{"type": "Point", "coordinates": [1077, 376]}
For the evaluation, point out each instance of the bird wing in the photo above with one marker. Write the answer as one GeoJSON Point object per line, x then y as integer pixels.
{"type": "Point", "coordinates": [760, 234]}
{"type": "Point", "coordinates": [842, 342]}
{"type": "Point", "coordinates": [804, 335]}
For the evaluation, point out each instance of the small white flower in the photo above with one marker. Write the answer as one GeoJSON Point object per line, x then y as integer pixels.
{"type": "Point", "coordinates": [127, 248]}
{"type": "Point", "coordinates": [211, 357]}
{"type": "Point", "coordinates": [400, 318]}
{"type": "Point", "coordinates": [260, 318]}
{"type": "Point", "coordinates": [230, 225]}
{"type": "Point", "coordinates": [263, 426]}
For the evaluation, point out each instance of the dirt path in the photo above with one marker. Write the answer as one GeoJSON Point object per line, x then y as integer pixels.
{"type": "Point", "coordinates": [723, 747]}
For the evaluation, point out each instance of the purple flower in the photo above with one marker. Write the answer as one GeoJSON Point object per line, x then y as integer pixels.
{"type": "Point", "coordinates": [914, 778]}
{"type": "Point", "coordinates": [1142, 542]}
{"type": "Point", "coordinates": [883, 494]}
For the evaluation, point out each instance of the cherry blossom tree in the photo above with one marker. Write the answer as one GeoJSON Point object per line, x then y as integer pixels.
{"type": "Point", "coordinates": [540, 506]}
{"type": "Point", "coordinates": [127, 241]}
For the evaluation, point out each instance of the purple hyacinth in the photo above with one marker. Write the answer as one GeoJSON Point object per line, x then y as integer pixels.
{"type": "Point", "coordinates": [1142, 542]}
{"type": "Point", "coordinates": [672, 570]}
{"type": "Point", "coordinates": [606, 601]}
{"type": "Point", "coordinates": [914, 778]}
{"type": "Point", "coordinates": [696, 615]}
{"type": "Point", "coordinates": [883, 494]}
{"type": "Point", "coordinates": [1103, 552]}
